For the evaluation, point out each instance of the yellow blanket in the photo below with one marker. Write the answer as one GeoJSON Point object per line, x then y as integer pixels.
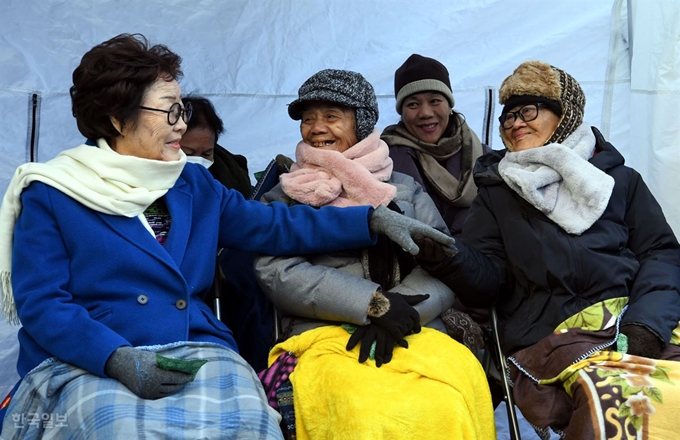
{"type": "Point", "coordinates": [435, 389]}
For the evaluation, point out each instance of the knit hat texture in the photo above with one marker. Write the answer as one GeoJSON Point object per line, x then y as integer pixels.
{"type": "Point", "coordinates": [341, 87]}
{"type": "Point", "coordinates": [536, 81]}
{"type": "Point", "coordinates": [421, 74]}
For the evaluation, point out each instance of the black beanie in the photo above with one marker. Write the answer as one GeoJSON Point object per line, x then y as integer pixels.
{"type": "Point", "coordinates": [421, 74]}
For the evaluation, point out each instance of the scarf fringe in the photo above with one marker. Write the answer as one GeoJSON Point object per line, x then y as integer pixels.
{"type": "Point", "coordinates": [9, 309]}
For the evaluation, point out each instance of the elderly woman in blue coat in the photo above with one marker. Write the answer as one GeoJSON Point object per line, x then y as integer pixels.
{"type": "Point", "coordinates": [576, 254]}
{"type": "Point", "coordinates": [108, 249]}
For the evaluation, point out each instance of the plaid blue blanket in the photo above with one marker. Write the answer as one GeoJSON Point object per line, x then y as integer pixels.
{"type": "Point", "coordinates": [225, 401]}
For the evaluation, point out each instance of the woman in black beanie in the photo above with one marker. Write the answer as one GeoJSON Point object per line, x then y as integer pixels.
{"type": "Point", "coordinates": [432, 142]}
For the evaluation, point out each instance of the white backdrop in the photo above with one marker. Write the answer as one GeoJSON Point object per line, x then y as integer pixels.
{"type": "Point", "coordinates": [250, 57]}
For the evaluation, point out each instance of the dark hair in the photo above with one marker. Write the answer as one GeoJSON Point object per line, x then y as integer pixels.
{"type": "Point", "coordinates": [204, 115]}
{"type": "Point", "coordinates": [111, 81]}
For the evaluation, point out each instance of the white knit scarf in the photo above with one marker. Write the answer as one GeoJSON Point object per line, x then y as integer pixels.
{"type": "Point", "coordinates": [558, 180]}
{"type": "Point", "coordinates": [99, 178]}
{"type": "Point", "coordinates": [354, 177]}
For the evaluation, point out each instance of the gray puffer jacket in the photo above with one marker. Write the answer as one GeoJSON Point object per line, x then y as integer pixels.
{"type": "Point", "coordinates": [325, 289]}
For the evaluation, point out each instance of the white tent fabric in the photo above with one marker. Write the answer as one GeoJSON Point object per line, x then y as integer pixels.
{"type": "Point", "coordinates": [654, 138]}
{"type": "Point", "coordinates": [250, 56]}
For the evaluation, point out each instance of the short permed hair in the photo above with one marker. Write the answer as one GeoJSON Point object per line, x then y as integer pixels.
{"type": "Point", "coordinates": [204, 115]}
{"type": "Point", "coordinates": [111, 81]}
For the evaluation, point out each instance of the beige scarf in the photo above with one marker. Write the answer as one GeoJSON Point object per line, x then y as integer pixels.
{"type": "Point", "coordinates": [99, 178]}
{"type": "Point", "coordinates": [458, 193]}
{"type": "Point", "coordinates": [354, 177]}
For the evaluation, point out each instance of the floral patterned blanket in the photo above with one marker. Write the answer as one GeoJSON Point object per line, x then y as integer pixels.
{"type": "Point", "coordinates": [573, 381]}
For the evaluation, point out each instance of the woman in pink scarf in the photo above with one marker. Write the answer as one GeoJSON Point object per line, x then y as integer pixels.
{"type": "Point", "coordinates": [375, 304]}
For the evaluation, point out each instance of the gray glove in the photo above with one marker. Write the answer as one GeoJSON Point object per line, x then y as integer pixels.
{"type": "Point", "coordinates": [138, 370]}
{"type": "Point", "coordinates": [401, 229]}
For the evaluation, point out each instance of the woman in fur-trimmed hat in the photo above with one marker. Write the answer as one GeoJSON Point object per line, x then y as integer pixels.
{"type": "Point", "coordinates": [576, 254]}
{"type": "Point", "coordinates": [367, 304]}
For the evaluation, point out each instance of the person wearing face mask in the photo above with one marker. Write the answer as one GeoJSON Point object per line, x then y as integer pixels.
{"type": "Point", "coordinates": [243, 307]}
{"type": "Point", "coordinates": [575, 253]}
{"type": "Point", "coordinates": [107, 250]}
{"type": "Point", "coordinates": [372, 303]}
{"type": "Point", "coordinates": [200, 145]}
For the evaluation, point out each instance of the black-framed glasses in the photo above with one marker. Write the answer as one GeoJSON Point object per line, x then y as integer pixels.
{"type": "Point", "coordinates": [526, 113]}
{"type": "Point", "coordinates": [176, 111]}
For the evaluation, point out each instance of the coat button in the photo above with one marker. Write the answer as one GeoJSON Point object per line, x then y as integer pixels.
{"type": "Point", "coordinates": [181, 304]}
{"type": "Point", "coordinates": [142, 299]}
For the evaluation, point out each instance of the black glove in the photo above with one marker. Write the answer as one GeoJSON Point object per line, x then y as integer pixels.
{"type": "Point", "coordinates": [398, 317]}
{"type": "Point", "coordinates": [384, 343]}
{"type": "Point", "coordinates": [139, 372]}
{"type": "Point", "coordinates": [642, 342]}
{"type": "Point", "coordinates": [432, 252]}
{"type": "Point", "coordinates": [401, 229]}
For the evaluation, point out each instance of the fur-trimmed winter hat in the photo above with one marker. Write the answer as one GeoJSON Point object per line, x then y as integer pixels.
{"type": "Point", "coordinates": [421, 74]}
{"type": "Point", "coordinates": [536, 81]}
{"type": "Point", "coordinates": [341, 87]}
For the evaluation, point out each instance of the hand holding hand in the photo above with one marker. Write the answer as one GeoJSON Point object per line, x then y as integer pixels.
{"type": "Point", "coordinates": [432, 252]}
{"type": "Point", "coordinates": [401, 229]}
{"type": "Point", "coordinates": [139, 372]}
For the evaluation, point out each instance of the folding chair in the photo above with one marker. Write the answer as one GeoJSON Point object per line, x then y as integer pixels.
{"type": "Point", "coordinates": [495, 365]}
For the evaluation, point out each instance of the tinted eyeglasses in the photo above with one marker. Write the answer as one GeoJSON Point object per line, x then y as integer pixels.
{"type": "Point", "coordinates": [176, 111]}
{"type": "Point", "coordinates": [526, 113]}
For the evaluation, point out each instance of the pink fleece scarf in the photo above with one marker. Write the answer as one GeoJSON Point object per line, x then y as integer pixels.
{"type": "Point", "coordinates": [354, 177]}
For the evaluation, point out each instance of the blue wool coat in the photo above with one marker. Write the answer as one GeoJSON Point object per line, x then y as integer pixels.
{"type": "Point", "coordinates": [86, 283]}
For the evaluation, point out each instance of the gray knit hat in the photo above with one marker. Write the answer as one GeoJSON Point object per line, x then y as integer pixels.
{"type": "Point", "coordinates": [421, 74]}
{"type": "Point", "coordinates": [540, 82]}
{"type": "Point", "coordinates": [342, 87]}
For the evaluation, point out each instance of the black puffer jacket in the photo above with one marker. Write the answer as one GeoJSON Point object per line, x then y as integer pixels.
{"type": "Point", "coordinates": [540, 275]}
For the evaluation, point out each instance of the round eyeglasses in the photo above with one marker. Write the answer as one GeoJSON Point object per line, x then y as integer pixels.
{"type": "Point", "coordinates": [526, 113]}
{"type": "Point", "coordinates": [176, 111]}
